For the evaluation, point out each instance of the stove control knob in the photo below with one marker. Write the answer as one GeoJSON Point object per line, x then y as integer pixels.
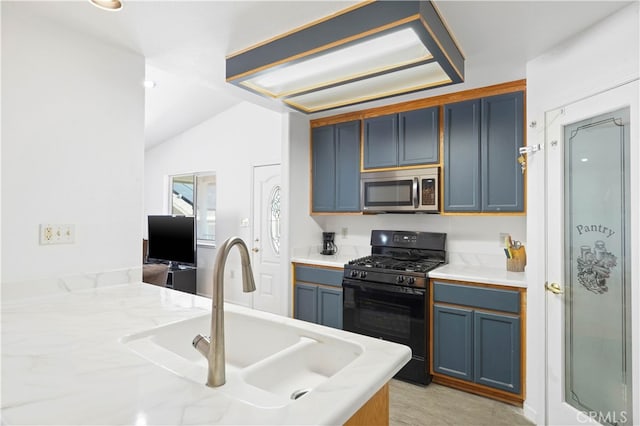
{"type": "Point", "coordinates": [411, 280]}
{"type": "Point", "coordinates": [363, 274]}
{"type": "Point", "coordinates": [354, 274]}
{"type": "Point", "coordinates": [400, 279]}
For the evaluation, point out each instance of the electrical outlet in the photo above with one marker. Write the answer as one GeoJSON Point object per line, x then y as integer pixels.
{"type": "Point", "coordinates": [66, 234]}
{"type": "Point", "coordinates": [503, 236]}
{"type": "Point", "coordinates": [344, 232]}
{"type": "Point", "coordinates": [46, 234]}
{"type": "Point", "coordinates": [57, 234]}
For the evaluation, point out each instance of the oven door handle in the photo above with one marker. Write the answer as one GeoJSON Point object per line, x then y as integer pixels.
{"type": "Point", "coordinates": [389, 288]}
{"type": "Point", "coordinates": [415, 193]}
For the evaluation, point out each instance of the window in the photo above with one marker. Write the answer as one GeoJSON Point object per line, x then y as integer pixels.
{"type": "Point", "coordinates": [195, 194]}
{"type": "Point", "coordinates": [274, 219]}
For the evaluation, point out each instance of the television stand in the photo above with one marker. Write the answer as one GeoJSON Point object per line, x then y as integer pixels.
{"type": "Point", "coordinates": [182, 278]}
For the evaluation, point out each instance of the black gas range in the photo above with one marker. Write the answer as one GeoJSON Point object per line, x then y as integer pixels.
{"type": "Point", "coordinates": [385, 293]}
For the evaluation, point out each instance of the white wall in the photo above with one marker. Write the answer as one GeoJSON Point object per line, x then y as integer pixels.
{"type": "Point", "coordinates": [470, 239]}
{"type": "Point", "coordinates": [229, 144]}
{"type": "Point", "coordinates": [304, 230]}
{"type": "Point", "coordinates": [602, 57]}
{"type": "Point", "coordinates": [72, 150]}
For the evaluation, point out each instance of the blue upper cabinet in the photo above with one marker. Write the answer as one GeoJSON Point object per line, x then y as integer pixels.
{"type": "Point", "coordinates": [502, 134]}
{"type": "Point", "coordinates": [381, 142]}
{"type": "Point", "coordinates": [348, 167]}
{"type": "Point", "coordinates": [481, 141]}
{"type": "Point", "coordinates": [404, 139]}
{"type": "Point", "coordinates": [324, 168]}
{"type": "Point", "coordinates": [418, 137]}
{"type": "Point", "coordinates": [335, 151]}
{"type": "Point", "coordinates": [462, 156]}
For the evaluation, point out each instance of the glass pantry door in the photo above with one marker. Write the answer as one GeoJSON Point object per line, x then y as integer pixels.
{"type": "Point", "coordinates": [589, 260]}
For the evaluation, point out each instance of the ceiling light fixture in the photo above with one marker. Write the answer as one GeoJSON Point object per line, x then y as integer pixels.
{"type": "Point", "coordinates": [373, 50]}
{"type": "Point", "coordinates": [149, 84]}
{"type": "Point", "coordinates": [110, 5]}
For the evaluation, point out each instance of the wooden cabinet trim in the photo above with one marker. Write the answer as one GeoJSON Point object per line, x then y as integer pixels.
{"type": "Point", "coordinates": [477, 284]}
{"type": "Point", "coordinates": [439, 101]}
{"type": "Point", "coordinates": [374, 412]}
{"type": "Point", "coordinates": [496, 89]}
{"type": "Point", "coordinates": [515, 399]}
{"type": "Point", "coordinates": [478, 389]}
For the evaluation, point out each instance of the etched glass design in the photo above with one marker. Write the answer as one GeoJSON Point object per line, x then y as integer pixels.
{"type": "Point", "coordinates": [274, 219]}
{"type": "Point", "coordinates": [597, 267]}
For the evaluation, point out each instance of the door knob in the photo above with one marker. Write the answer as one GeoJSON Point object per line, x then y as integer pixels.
{"type": "Point", "coordinates": [255, 249]}
{"type": "Point", "coordinates": [553, 288]}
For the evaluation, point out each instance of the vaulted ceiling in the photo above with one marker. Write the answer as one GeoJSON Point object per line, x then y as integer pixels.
{"type": "Point", "coordinates": [185, 42]}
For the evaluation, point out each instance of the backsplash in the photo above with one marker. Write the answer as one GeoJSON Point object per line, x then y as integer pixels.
{"type": "Point", "coordinates": [471, 240]}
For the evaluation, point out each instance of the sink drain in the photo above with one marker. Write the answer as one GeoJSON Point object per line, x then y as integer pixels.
{"type": "Point", "coordinates": [299, 393]}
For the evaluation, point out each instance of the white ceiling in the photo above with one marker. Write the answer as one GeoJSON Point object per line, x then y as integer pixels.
{"type": "Point", "coordinates": [185, 42]}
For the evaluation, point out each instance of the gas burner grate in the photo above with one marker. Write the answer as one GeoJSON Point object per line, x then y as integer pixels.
{"type": "Point", "coordinates": [388, 262]}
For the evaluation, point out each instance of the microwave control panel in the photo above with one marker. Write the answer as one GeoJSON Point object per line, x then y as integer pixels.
{"type": "Point", "coordinates": [429, 192]}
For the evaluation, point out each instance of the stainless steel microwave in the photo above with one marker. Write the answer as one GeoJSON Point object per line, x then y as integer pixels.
{"type": "Point", "coordinates": [403, 191]}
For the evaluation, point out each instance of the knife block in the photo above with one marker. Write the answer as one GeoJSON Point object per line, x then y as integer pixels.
{"type": "Point", "coordinates": [518, 261]}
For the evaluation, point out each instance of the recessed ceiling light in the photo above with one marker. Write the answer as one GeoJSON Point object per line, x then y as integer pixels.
{"type": "Point", "coordinates": [149, 84]}
{"type": "Point", "coordinates": [372, 50]}
{"type": "Point", "coordinates": [584, 160]}
{"type": "Point", "coordinates": [110, 5]}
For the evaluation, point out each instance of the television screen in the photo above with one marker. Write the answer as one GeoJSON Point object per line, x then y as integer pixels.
{"type": "Point", "coordinates": [172, 238]}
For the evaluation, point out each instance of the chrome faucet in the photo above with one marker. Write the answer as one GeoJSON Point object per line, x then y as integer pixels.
{"type": "Point", "coordinates": [213, 348]}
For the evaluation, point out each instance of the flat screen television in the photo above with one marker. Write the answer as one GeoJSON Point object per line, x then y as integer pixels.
{"type": "Point", "coordinates": [172, 239]}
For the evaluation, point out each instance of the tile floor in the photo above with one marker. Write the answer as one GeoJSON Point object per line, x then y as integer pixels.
{"type": "Point", "coordinates": [439, 405]}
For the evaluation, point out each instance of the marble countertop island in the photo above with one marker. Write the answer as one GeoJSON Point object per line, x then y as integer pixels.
{"type": "Point", "coordinates": [63, 362]}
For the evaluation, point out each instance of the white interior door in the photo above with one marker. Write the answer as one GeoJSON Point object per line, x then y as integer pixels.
{"type": "Point", "coordinates": [591, 230]}
{"type": "Point", "coordinates": [266, 239]}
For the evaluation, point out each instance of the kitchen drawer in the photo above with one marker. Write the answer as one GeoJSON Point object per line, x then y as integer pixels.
{"type": "Point", "coordinates": [318, 275]}
{"type": "Point", "coordinates": [477, 297]}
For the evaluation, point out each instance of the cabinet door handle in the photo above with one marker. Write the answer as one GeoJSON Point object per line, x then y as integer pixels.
{"type": "Point", "coordinates": [415, 192]}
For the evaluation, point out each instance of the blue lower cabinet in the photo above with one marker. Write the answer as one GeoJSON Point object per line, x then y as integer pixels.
{"type": "Point", "coordinates": [318, 295]}
{"type": "Point", "coordinates": [318, 304]}
{"type": "Point", "coordinates": [330, 307]}
{"type": "Point", "coordinates": [306, 306]}
{"type": "Point", "coordinates": [497, 351]}
{"type": "Point", "coordinates": [453, 341]}
{"type": "Point", "coordinates": [477, 346]}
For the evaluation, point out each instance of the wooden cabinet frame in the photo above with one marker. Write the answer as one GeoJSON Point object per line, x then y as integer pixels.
{"type": "Point", "coordinates": [479, 389]}
{"type": "Point", "coordinates": [439, 101]}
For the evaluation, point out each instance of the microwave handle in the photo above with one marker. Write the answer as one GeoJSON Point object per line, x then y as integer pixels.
{"type": "Point", "coordinates": [415, 193]}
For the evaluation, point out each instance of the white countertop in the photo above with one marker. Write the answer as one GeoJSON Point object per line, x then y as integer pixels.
{"type": "Point", "coordinates": [63, 363]}
{"type": "Point", "coordinates": [480, 274]}
{"type": "Point", "coordinates": [336, 260]}
{"type": "Point", "coordinates": [487, 273]}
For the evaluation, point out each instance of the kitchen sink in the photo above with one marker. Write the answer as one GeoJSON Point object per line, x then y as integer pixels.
{"type": "Point", "coordinates": [269, 363]}
{"type": "Point", "coordinates": [302, 367]}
